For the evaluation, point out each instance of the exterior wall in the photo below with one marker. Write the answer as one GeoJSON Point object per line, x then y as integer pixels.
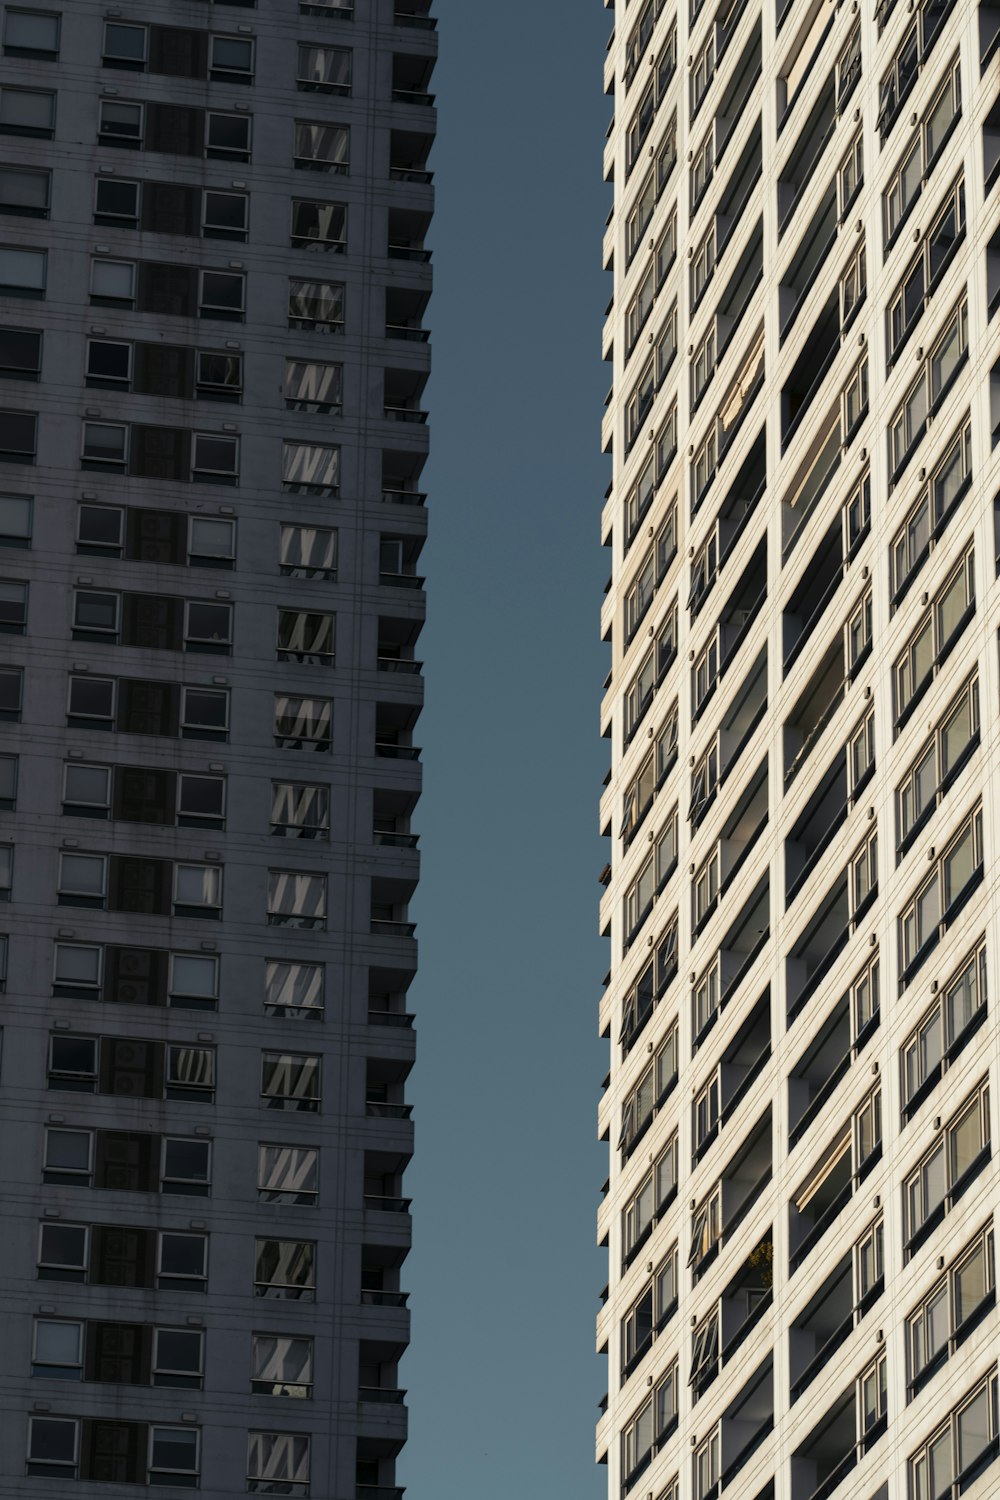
{"type": "Point", "coordinates": [771, 1456]}
{"type": "Point", "coordinates": [354, 1439]}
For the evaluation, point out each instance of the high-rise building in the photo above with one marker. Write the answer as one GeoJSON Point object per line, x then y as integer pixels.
{"type": "Point", "coordinates": [214, 274]}
{"type": "Point", "coordinates": [804, 795]}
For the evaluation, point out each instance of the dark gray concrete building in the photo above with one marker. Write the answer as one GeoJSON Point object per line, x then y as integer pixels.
{"type": "Point", "coordinates": [213, 277]}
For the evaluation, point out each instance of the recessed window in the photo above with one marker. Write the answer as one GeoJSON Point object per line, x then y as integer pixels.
{"type": "Point", "coordinates": [324, 70]}
{"type": "Point", "coordinates": [296, 899]}
{"type": "Point", "coordinates": [319, 226]}
{"type": "Point", "coordinates": [285, 1270]}
{"type": "Point", "coordinates": [178, 1353]}
{"type": "Point", "coordinates": [82, 880]}
{"type": "Point", "coordinates": [31, 33]}
{"type": "Point", "coordinates": [124, 46]}
{"type": "Point", "coordinates": [303, 723]}
{"type": "Point", "coordinates": [309, 468]}
{"type": "Point", "coordinates": [194, 981]}
{"type": "Point", "coordinates": [24, 192]}
{"type": "Point", "coordinates": [299, 810]}
{"type": "Point", "coordinates": [68, 1158]}
{"type": "Point", "coordinates": [218, 377]}
{"type": "Point", "coordinates": [205, 713]}
{"type": "Point", "coordinates": [306, 637]}
{"type": "Point", "coordinates": [11, 689]}
{"type": "Point", "coordinates": [183, 1262]}
{"type": "Point", "coordinates": [58, 1349]}
{"type": "Point", "coordinates": [20, 353]}
{"type": "Point", "coordinates": [316, 304]}
{"type": "Point", "coordinates": [190, 1073]}
{"type": "Point", "coordinates": [201, 800]}
{"type": "Point", "coordinates": [215, 459]}
{"type": "Point", "coordinates": [293, 990]}
{"type": "Point", "coordinates": [15, 520]}
{"type": "Point", "coordinates": [322, 148]}
{"type": "Point", "coordinates": [314, 387]}
{"type": "Point", "coordinates": [197, 890]}
{"type": "Point", "coordinates": [27, 112]}
{"type": "Point", "coordinates": [227, 137]}
{"type": "Point", "coordinates": [18, 436]}
{"type": "Point", "coordinates": [231, 59]}
{"type": "Point", "coordinates": [111, 281]}
{"type": "Point", "coordinates": [6, 873]}
{"type": "Point", "coordinates": [101, 530]}
{"type": "Point", "coordinates": [277, 1462]}
{"type": "Point", "coordinates": [92, 701]}
{"type": "Point", "coordinates": [22, 272]}
{"type": "Point", "coordinates": [222, 295]}
{"type": "Point", "coordinates": [120, 124]}
{"type": "Point", "coordinates": [87, 791]}
{"type": "Point", "coordinates": [53, 1443]}
{"type": "Point", "coordinates": [116, 202]}
{"type": "Point", "coordinates": [109, 364]}
{"type": "Point", "coordinates": [73, 1063]}
{"type": "Point", "coordinates": [281, 1365]}
{"type": "Point", "coordinates": [76, 971]}
{"type": "Point", "coordinates": [8, 781]}
{"type": "Point", "coordinates": [105, 445]}
{"type": "Point", "coordinates": [225, 216]}
{"type": "Point", "coordinates": [211, 543]}
{"type": "Point", "coordinates": [290, 1080]}
{"type": "Point", "coordinates": [308, 552]}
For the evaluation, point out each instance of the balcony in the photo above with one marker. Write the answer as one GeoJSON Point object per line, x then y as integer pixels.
{"type": "Point", "coordinates": [817, 948]}
{"type": "Point", "coordinates": [744, 1178]}
{"type": "Point", "coordinates": [411, 76]}
{"type": "Point", "coordinates": [417, 14]}
{"type": "Point", "coordinates": [803, 159]}
{"type": "Point", "coordinates": [817, 585]}
{"type": "Point", "coordinates": [404, 313]}
{"type": "Point", "coordinates": [822, 1327]}
{"type": "Point", "coordinates": [810, 370]}
{"type": "Point", "coordinates": [406, 233]}
{"type": "Point", "coordinates": [822, 817]}
{"type": "Point", "coordinates": [814, 709]}
{"type": "Point", "coordinates": [408, 153]}
{"type": "Point", "coordinates": [807, 261]}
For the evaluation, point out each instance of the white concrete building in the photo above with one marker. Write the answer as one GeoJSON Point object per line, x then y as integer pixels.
{"type": "Point", "coordinates": [213, 275]}
{"type": "Point", "coordinates": [803, 1003]}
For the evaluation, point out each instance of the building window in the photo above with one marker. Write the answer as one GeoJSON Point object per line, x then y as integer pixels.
{"type": "Point", "coordinates": [949, 1310]}
{"type": "Point", "coordinates": [322, 148]}
{"type": "Point", "coordinates": [299, 810]}
{"type": "Point", "coordinates": [938, 897]}
{"type": "Point", "coordinates": [208, 628]}
{"type": "Point", "coordinates": [277, 1462]}
{"type": "Point", "coordinates": [225, 216]}
{"type": "Point", "coordinates": [31, 33]}
{"type": "Point", "coordinates": [82, 880]}
{"type": "Point", "coordinates": [325, 70]}
{"type": "Point", "coordinates": [281, 1365]}
{"type": "Point", "coordinates": [290, 1081]}
{"type": "Point", "coordinates": [955, 1454]}
{"type": "Point", "coordinates": [57, 1349]}
{"type": "Point", "coordinates": [936, 375]}
{"type": "Point", "coordinates": [8, 781]}
{"type": "Point", "coordinates": [303, 723]}
{"type": "Point", "coordinates": [178, 1358]}
{"type": "Point", "coordinates": [949, 482]}
{"type": "Point", "coordinates": [941, 624]}
{"type": "Point", "coordinates": [173, 1456]}
{"type": "Point", "coordinates": [285, 1270]}
{"type": "Point", "coordinates": [308, 551]}
{"type": "Point", "coordinates": [227, 137]}
{"type": "Point", "coordinates": [941, 1032]}
{"type": "Point", "coordinates": [938, 1181]}
{"type": "Point", "coordinates": [288, 1174]}
{"type": "Point", "coordinates": [13, 607]}
{"type": "Point", "coordinates": [20, 354]}
{"type": "Point", "coordinates": [316, 304]}
{"type": "Point", "coordinates": [194, 981]}
{"type": "Point", "coordinates": [296, 900]}
{"type": "Point", "coordinates": [310, 469]}
{"type": "Point", "coordinates": [305, 637]}
{"type": "Point", "coordinates": [27, 112]}
{"type": "Point", "coordinates": [314, 387]}
{"type": "Point", "coordinates": [112, 282]}
{"type": "Point", "coordinates": [197, 890]}
{"type": "Point", "coordinates": [53, 1447]}
{"type": "Point", "coordinates": [222, 295]}
{"type": "Point", "coordinates": [294, 990]}
{"type": "Point", "coordinates": [120, 124]}
{"type": "Point", "coordinates": [24, 192]}
{"type": "Point", "coordinates": [124, 46]}
{"type": "Point", "coordinates": [230, 59]}
{"type": "Point", "coordinates": [18, 437]}
{"type": "Point", "coordinates": [190, 1073]}
{"type": "Point", "coordinates": [938, 762]}
{"type": "Point", "coordinates": [11, 688]}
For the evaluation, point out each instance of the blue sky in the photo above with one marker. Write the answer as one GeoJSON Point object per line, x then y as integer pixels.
{"type": "Point", "coordinates": [504, 1276]}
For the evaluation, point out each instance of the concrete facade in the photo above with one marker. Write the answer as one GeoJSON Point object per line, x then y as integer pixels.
{"type": "Point", "coordinates": [802, 714]}
{"type": "Point", "coordinates": [212, 521]}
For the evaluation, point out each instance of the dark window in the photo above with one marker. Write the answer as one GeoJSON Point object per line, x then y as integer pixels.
{"type": "Point", "coordinates": [165, 370]}
{"type": "Point", "coordinates": [24, 192]}
{"type": "Point", "coordinates": [18, 436]}
{"type": "Point", "coordinates": [27, 112]}
{"type": "Point", "coordinates": [174, 129]}
{"type": "Point", "coordinates": [11, 680]}
{"type": "Point", "coordinates": [131, 1068]}
{"type": "Point", "coordinates": [116, 202]}
{"type": "Point", "coordinates": [141, 885]}
{"type": "Point", "coordinates": [227, 137]}
{"type": "Point", "coordinates": [156, 536]}
{"type": "Point", "coordinates": [135, 976]}
{"type": "Point", "coordinates": [121, 1256]}
{"type": "Point", "coordinates": [178, 52]}
{"type": "Point", "coordinates": [114, 1452]}
{"type": "Point", "coordinates": [99, 530]}
{"type": "Point", "coordinates": [15, 520]}
{"type": "Point", "coordinates": [124, 47]}
{"type": "Point", "coordinates": [153, 622]}
{"type": "Point", "coordinates": [126, 1161]}
{"type": "Point", "coordinates": [144, 796]}
{"type": "Point", "coordinates": [118, 1353]}
{"type": "Point", "coordinates": [171, 208]}
{"type": "Point", "coordinates": [224, 216]}
{"type": "Point", "coordinates": [120, 124]}
{"type": "Point", "coordinates": [13, 607]}
{"type": "Point", "coordinates": [168, 289]}
{"type": "Point", "coordinates": [31, 33]}
{"type": "Point", "coordinates": [23, 272]}
{"type": "Point", "coordinates": [20, 353]}
{"type": "Point", "coordinates": [148, 707]}
{"type": "Point", "coordinates": [222, 295]}
{"type": "Point", "coordinates": [109, 365]}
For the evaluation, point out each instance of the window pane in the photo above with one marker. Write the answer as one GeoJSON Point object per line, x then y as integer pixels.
{"type": "Point", "coordinates": [23, 268]}
{"type": "Point", "coordinates": [972, 1279]}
